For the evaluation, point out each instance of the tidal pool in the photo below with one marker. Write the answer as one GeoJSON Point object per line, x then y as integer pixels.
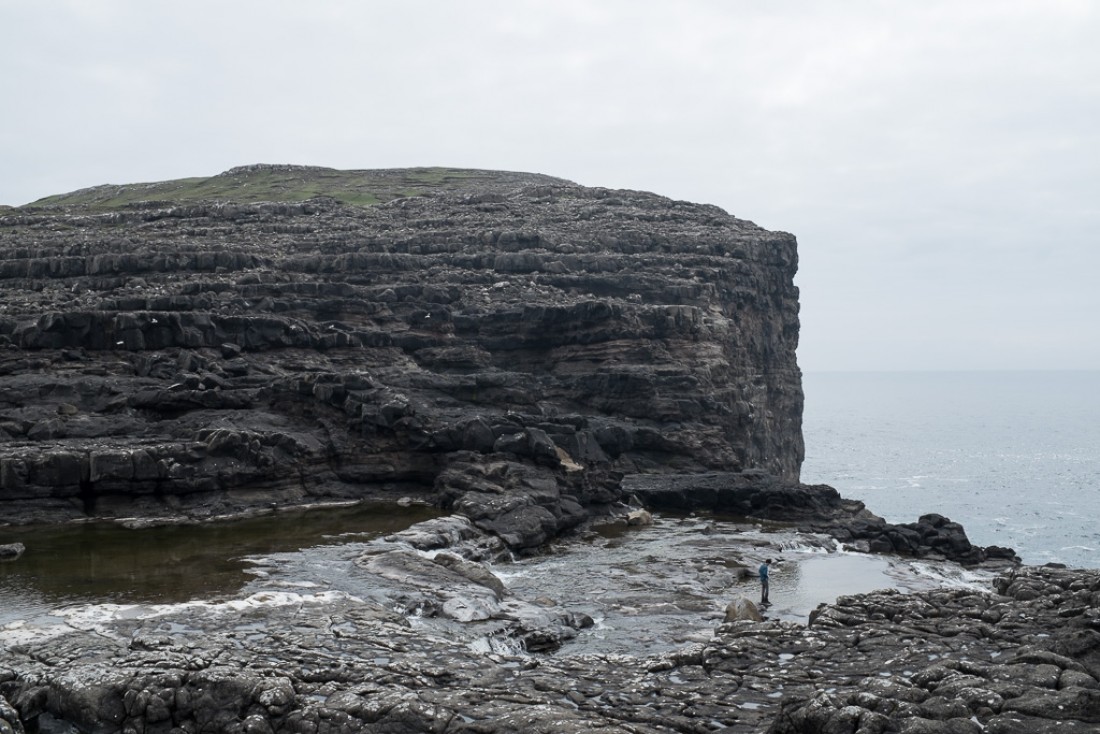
{"type": "Point", "coordinates": [104, 562]}
{"type": "Point", "coordinates": [648, 589]}
{"type": "Point", "coordinates": [653, 589]}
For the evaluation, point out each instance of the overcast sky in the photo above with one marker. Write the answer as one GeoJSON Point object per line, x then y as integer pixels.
{"type": "Point", "coordinates": [939, 161]}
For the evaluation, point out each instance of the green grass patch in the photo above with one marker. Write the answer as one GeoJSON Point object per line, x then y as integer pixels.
{"type": "Point", "coordinates": [294, 183]}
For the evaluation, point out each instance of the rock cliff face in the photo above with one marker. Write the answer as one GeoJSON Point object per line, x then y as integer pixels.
{"type": "Point", "coordinates": [507, 344]}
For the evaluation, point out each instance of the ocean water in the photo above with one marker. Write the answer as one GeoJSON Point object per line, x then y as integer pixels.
{"type": "Point", "coordinates": [1013, 456]}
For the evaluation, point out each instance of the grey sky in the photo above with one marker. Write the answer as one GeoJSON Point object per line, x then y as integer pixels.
{"type": "Point", "coordinates": [938, 160]}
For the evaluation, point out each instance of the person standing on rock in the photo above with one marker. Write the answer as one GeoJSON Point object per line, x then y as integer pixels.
{"type": "Point", "coordinates": [764, 581]}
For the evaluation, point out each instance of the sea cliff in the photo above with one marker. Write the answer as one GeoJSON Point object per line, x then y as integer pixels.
{"type": "Point", "coordinates": [529, 356]}
{"type": "Point", "coordinates": [469, 335]}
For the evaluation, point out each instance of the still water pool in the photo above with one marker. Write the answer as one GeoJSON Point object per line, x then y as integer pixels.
{"type": "Point", "coordinates": [655, 588]}
{"type": "Point", "coordinates": [106, 563]}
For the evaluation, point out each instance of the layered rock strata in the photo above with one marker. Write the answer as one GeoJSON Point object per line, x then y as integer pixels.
{"type": "Point", "coordinates": [509, 349]}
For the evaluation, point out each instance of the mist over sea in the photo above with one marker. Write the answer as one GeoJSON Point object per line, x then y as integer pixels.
{"type": "Point", "coordinates": [1013, 456]}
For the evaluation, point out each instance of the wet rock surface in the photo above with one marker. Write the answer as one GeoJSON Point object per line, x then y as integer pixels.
{"type": "Point", "coordinates": [1022, 659]}
{"type": "Point", "coordinates": [508, 346]}
{"type": "Point", "coordinates": [441, 644]}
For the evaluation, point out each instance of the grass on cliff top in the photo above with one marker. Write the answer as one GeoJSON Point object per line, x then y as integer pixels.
{"type": "Point", "coordinates": [295, 183]}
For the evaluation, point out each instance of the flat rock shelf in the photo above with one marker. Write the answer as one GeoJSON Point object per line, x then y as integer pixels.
{"type": "Point", "coordinates": [622, 629]}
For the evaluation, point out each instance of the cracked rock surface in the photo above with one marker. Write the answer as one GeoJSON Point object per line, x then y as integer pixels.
{"type": "Point", "coordinates": [1023, 656]}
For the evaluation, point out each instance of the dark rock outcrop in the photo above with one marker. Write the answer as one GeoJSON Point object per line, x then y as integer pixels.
{"type": "Point", "coordinates": [751, 494]}
{"type": "Point", "coordinates": [508, 349]}
{"type": "Point", "coordinates": [815, 509]}
{"type": "Point", "coordinates": [931, 535]}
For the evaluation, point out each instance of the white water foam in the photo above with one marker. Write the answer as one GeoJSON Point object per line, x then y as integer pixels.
{"type": "Point", "coordinates": [920, 575]}
{"type": "Point", "coordinates": [98, 618]}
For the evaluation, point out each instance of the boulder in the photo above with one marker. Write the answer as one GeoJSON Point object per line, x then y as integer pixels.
{"type": "Point", "coordinates": [10, 722]}
{"type": "Point", "coordinates": [742, 610]}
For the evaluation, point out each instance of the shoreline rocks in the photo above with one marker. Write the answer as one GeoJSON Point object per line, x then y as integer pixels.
{"type": "Point", "coordinates": [813, 509]}
{"type": "Point", "coordinates": [1020, 656]}
{"type": "Point", "coordinates": [1022, 659]}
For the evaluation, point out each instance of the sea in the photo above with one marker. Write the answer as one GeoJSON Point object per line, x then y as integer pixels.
{"type": "Point", "coordinates": [1013, 456]}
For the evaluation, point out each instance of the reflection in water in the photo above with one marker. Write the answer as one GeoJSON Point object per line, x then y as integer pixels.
{"type": "Point", "coordinates": [799, 587]}
{"type": "Point", "coordinates": [653, 589]}
{"type": "Point", "coordinates": [105, 562]}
